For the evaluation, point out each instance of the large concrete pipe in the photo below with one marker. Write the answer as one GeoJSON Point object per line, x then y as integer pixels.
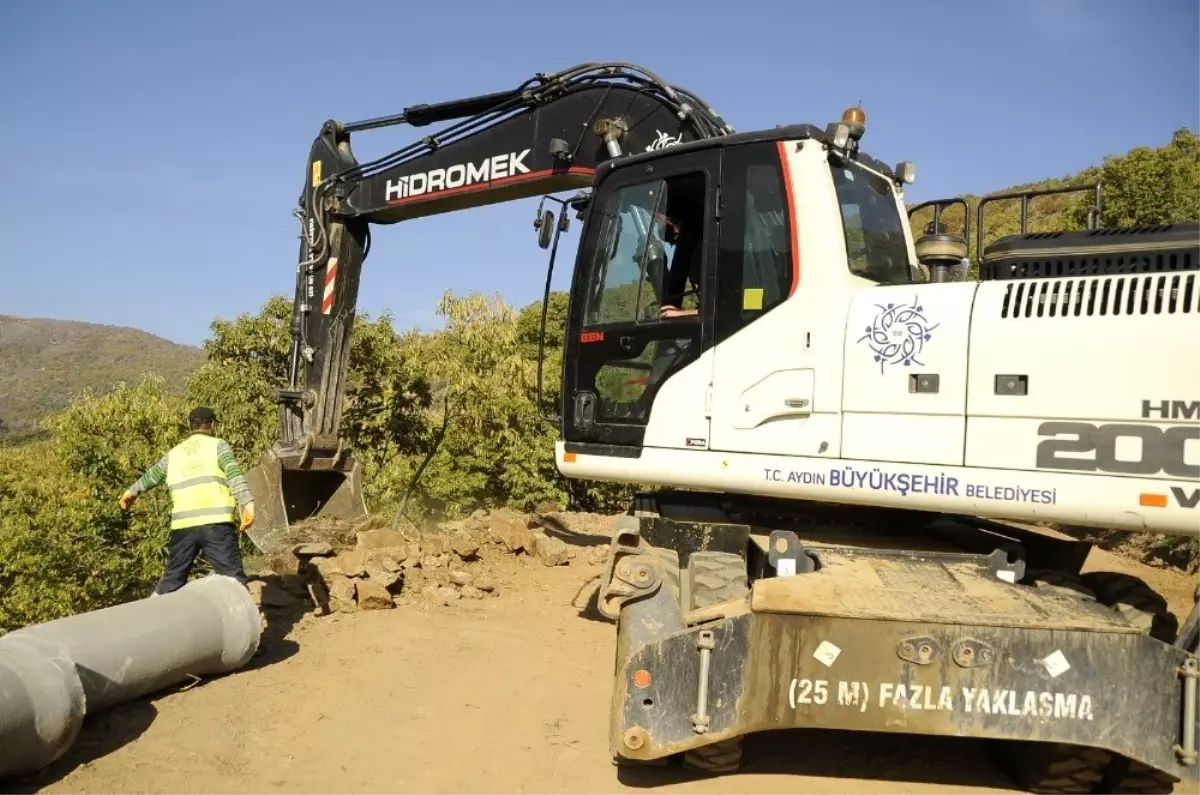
{"type": "Point", "coordinates": [52, 674]}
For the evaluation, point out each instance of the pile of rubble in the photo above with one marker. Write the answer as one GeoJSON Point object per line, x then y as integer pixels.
{"type": "Point", "coordinates": [385, 567]}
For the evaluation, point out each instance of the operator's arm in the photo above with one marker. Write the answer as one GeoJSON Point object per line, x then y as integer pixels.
{"type": "Point", "coordinates": [233, 473]}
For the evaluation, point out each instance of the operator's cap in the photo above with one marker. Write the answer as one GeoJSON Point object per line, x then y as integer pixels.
{"type": "Point", "coordinates": [201, 415]}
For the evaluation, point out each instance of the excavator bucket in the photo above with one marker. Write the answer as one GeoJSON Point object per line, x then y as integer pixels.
{"type": "Point", "coordinates": [285, 496]}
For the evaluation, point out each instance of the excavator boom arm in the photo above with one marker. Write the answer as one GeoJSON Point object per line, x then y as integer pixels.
{"type": "Point", "coordinates": [549, 134]}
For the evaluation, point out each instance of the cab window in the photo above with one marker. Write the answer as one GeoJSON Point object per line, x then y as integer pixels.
{"type": "Point", "coordinates": [648, 258]}
{"type": "Point", "coordinates": [874, 231]}
{"type": "Point", "coordinates": [756, 266]}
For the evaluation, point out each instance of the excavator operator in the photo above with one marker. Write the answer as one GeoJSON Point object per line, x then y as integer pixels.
{"type": "Point", "coordinates": [684, 229]}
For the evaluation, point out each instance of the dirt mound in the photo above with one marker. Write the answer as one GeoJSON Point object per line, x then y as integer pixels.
{"type": "Point", "coordinates": [1160, 551]}
{"type": "Point", "coordinates": [340, 534]}
{"type": "Point", "coordinates": [344, 567]}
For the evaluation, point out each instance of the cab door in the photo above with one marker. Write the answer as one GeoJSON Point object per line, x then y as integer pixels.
{"type": "Point", "coordinates": [621, 351]}
{"type": "Point", "coordinates": [772, 338]}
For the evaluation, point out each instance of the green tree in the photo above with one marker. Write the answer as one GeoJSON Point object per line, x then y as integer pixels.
{"type": "Point", "coordinates": [382, 406]}
{"type": "Point", "coordinates": [481, 408]}
{"type": "Point", "coordinates": [247, 359]}
{"type": "Point", "coordinates": [1150, 185]}
{"type": "Point", "coordinates": [494, 445]}
{"type": "Point", "coordinates": [65, 544]}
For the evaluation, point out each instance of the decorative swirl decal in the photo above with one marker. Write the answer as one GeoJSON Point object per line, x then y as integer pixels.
{"type": "Point", "coordinates": [664, 140]}
{"type": "Point", "coordinates": [898, 334]}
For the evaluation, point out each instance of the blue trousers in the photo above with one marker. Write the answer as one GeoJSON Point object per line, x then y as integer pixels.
{"type": "Point", "coordinates": [217, 542]}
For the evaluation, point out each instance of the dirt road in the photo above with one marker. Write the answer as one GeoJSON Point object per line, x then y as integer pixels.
{"type": "Point", "coordinates": [505, 694]}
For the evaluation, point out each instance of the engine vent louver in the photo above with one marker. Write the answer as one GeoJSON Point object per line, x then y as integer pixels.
{"type": "Point", "coordinates": [1165, 294]}
{"type": "Point", "coordinates": [1116, 251]}
{"type": "Point", "coordinates": [1057, 267]}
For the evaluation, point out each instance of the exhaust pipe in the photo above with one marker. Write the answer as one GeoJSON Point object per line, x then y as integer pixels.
{"type": "Point", "coordinates": [284, 496]}
{"type": "Point", "coordinates": [53, 674]}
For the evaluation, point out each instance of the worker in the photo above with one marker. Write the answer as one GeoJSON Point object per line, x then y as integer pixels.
{"type": "Point", "coordinates": [684, 229]}
{"type": "Point", "coordinates": [208, 492]}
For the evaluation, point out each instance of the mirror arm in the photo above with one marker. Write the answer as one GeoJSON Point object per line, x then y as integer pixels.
{"type": "Point", "coordinates": [559, 228]}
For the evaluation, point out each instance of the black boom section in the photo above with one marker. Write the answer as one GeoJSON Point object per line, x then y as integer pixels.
{"type": "Point", "coordinates": [540, 150]}
{"type": "Point", "coordinates": [1167, 248]}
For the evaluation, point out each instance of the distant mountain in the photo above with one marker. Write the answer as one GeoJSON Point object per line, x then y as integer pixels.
{"type": "Point", "coordinates": [45, 363]}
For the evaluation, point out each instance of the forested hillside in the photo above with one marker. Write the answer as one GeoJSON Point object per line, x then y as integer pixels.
{"type": "Point", "coordinates": [458, 407]}
{"type": "Point", "coordinates": [43, 363]}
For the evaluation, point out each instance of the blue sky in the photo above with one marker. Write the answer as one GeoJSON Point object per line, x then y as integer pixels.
{"type": "Point", "coordinates": [155, 150]}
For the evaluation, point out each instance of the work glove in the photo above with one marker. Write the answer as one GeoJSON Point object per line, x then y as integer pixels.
{"type": "Point", "coordinates": [247, 516]}
{"type": "Point", "coordinates": [126, 500]}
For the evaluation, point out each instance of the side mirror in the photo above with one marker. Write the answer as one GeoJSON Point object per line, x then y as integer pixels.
{"type": "Point", "coordinates": [545, 228]}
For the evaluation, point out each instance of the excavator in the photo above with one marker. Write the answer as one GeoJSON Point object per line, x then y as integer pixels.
{"type": "Point", "coordinates": [855, 450]}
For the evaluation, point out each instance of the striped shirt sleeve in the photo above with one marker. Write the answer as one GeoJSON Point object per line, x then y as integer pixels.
{"type": "Point", "coordinates": [154, 476]}
{"type": "Point", "coordinates": [235, 476]}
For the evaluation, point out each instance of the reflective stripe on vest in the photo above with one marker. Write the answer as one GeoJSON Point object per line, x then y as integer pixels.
{"type": "Point", "coordinates": [199, 489]}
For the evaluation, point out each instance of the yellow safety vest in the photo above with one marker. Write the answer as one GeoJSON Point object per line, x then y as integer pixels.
{"type": "Point", "coordinates": [199, 489]}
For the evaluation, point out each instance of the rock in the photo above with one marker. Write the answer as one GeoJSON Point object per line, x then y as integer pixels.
{"type": "Point", "coordinates": [450, 528]}
{"type": "Point", "coordinates": [437, 545]}
{"type": "Point", "coordinates": [319, 596]}
{"type": "Point", "coordinates": [274, 596]}
{"type": "Point", "coordinates": [485, 583]}
{"type": "Point", "coordinates": [294, 584]}
{"type": "Point", "coordinates": [352, 564]}
{"type": "Point", "coordinates": [328, 567]}
{"type": "Point", "coordinates": [414, 551]}
{"type": "Point", "coordinates": [446, 595]}
{"type": "Point", "coordinates": [377, 539]}
{"type": "Point", "coordinates": [414, 580]}
{"type": "Point", "coordinates": [389, 563]}
{"type": "Point", "coordinates": [464, 547]}
{"type": "Point", "coordinates": [471, 592]}
{"type": "Point", "coordinates": [313, 549]}
{"type": "Point", "coordinates": [597, 555]}
{"type": "Point", "coordinates": [341, 588]}
{"type": "Point", "coordinates": [343, 605]}
{"type": "Point", "coordinates": [377, 573]}
{"type": "Point", "coordinates": [430, 589]}
{"type": "Point", "coordinates": [431, 562]}
{"type": "Point", "coordinates": [376, 555]}
{"type": "Point", "coordinates": [572, 553]}
{"type": "Point", "coordinates": [256, 588]}
{"type": "Point", "coordinates": [512, 531]}
{"type": "Point", "coordinates": [460, 577]}
{"type": "Point", "coordinates": [411, 563]}
{"type": "Point", "coordinates": [373, 596]}
{"type": "Point", "coordinates": [551, 551]}
{"type": "Point", "coordinates": [283, 564]}
{"type": "Point", "coordinates": [372, 522]}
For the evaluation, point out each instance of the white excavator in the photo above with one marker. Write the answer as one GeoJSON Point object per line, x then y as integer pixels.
{"type": "Point", "coordinates": [852, 439]}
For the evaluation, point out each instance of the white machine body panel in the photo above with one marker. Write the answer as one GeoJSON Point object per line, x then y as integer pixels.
{"type": "Point", "coordinates": [1072, 400]}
